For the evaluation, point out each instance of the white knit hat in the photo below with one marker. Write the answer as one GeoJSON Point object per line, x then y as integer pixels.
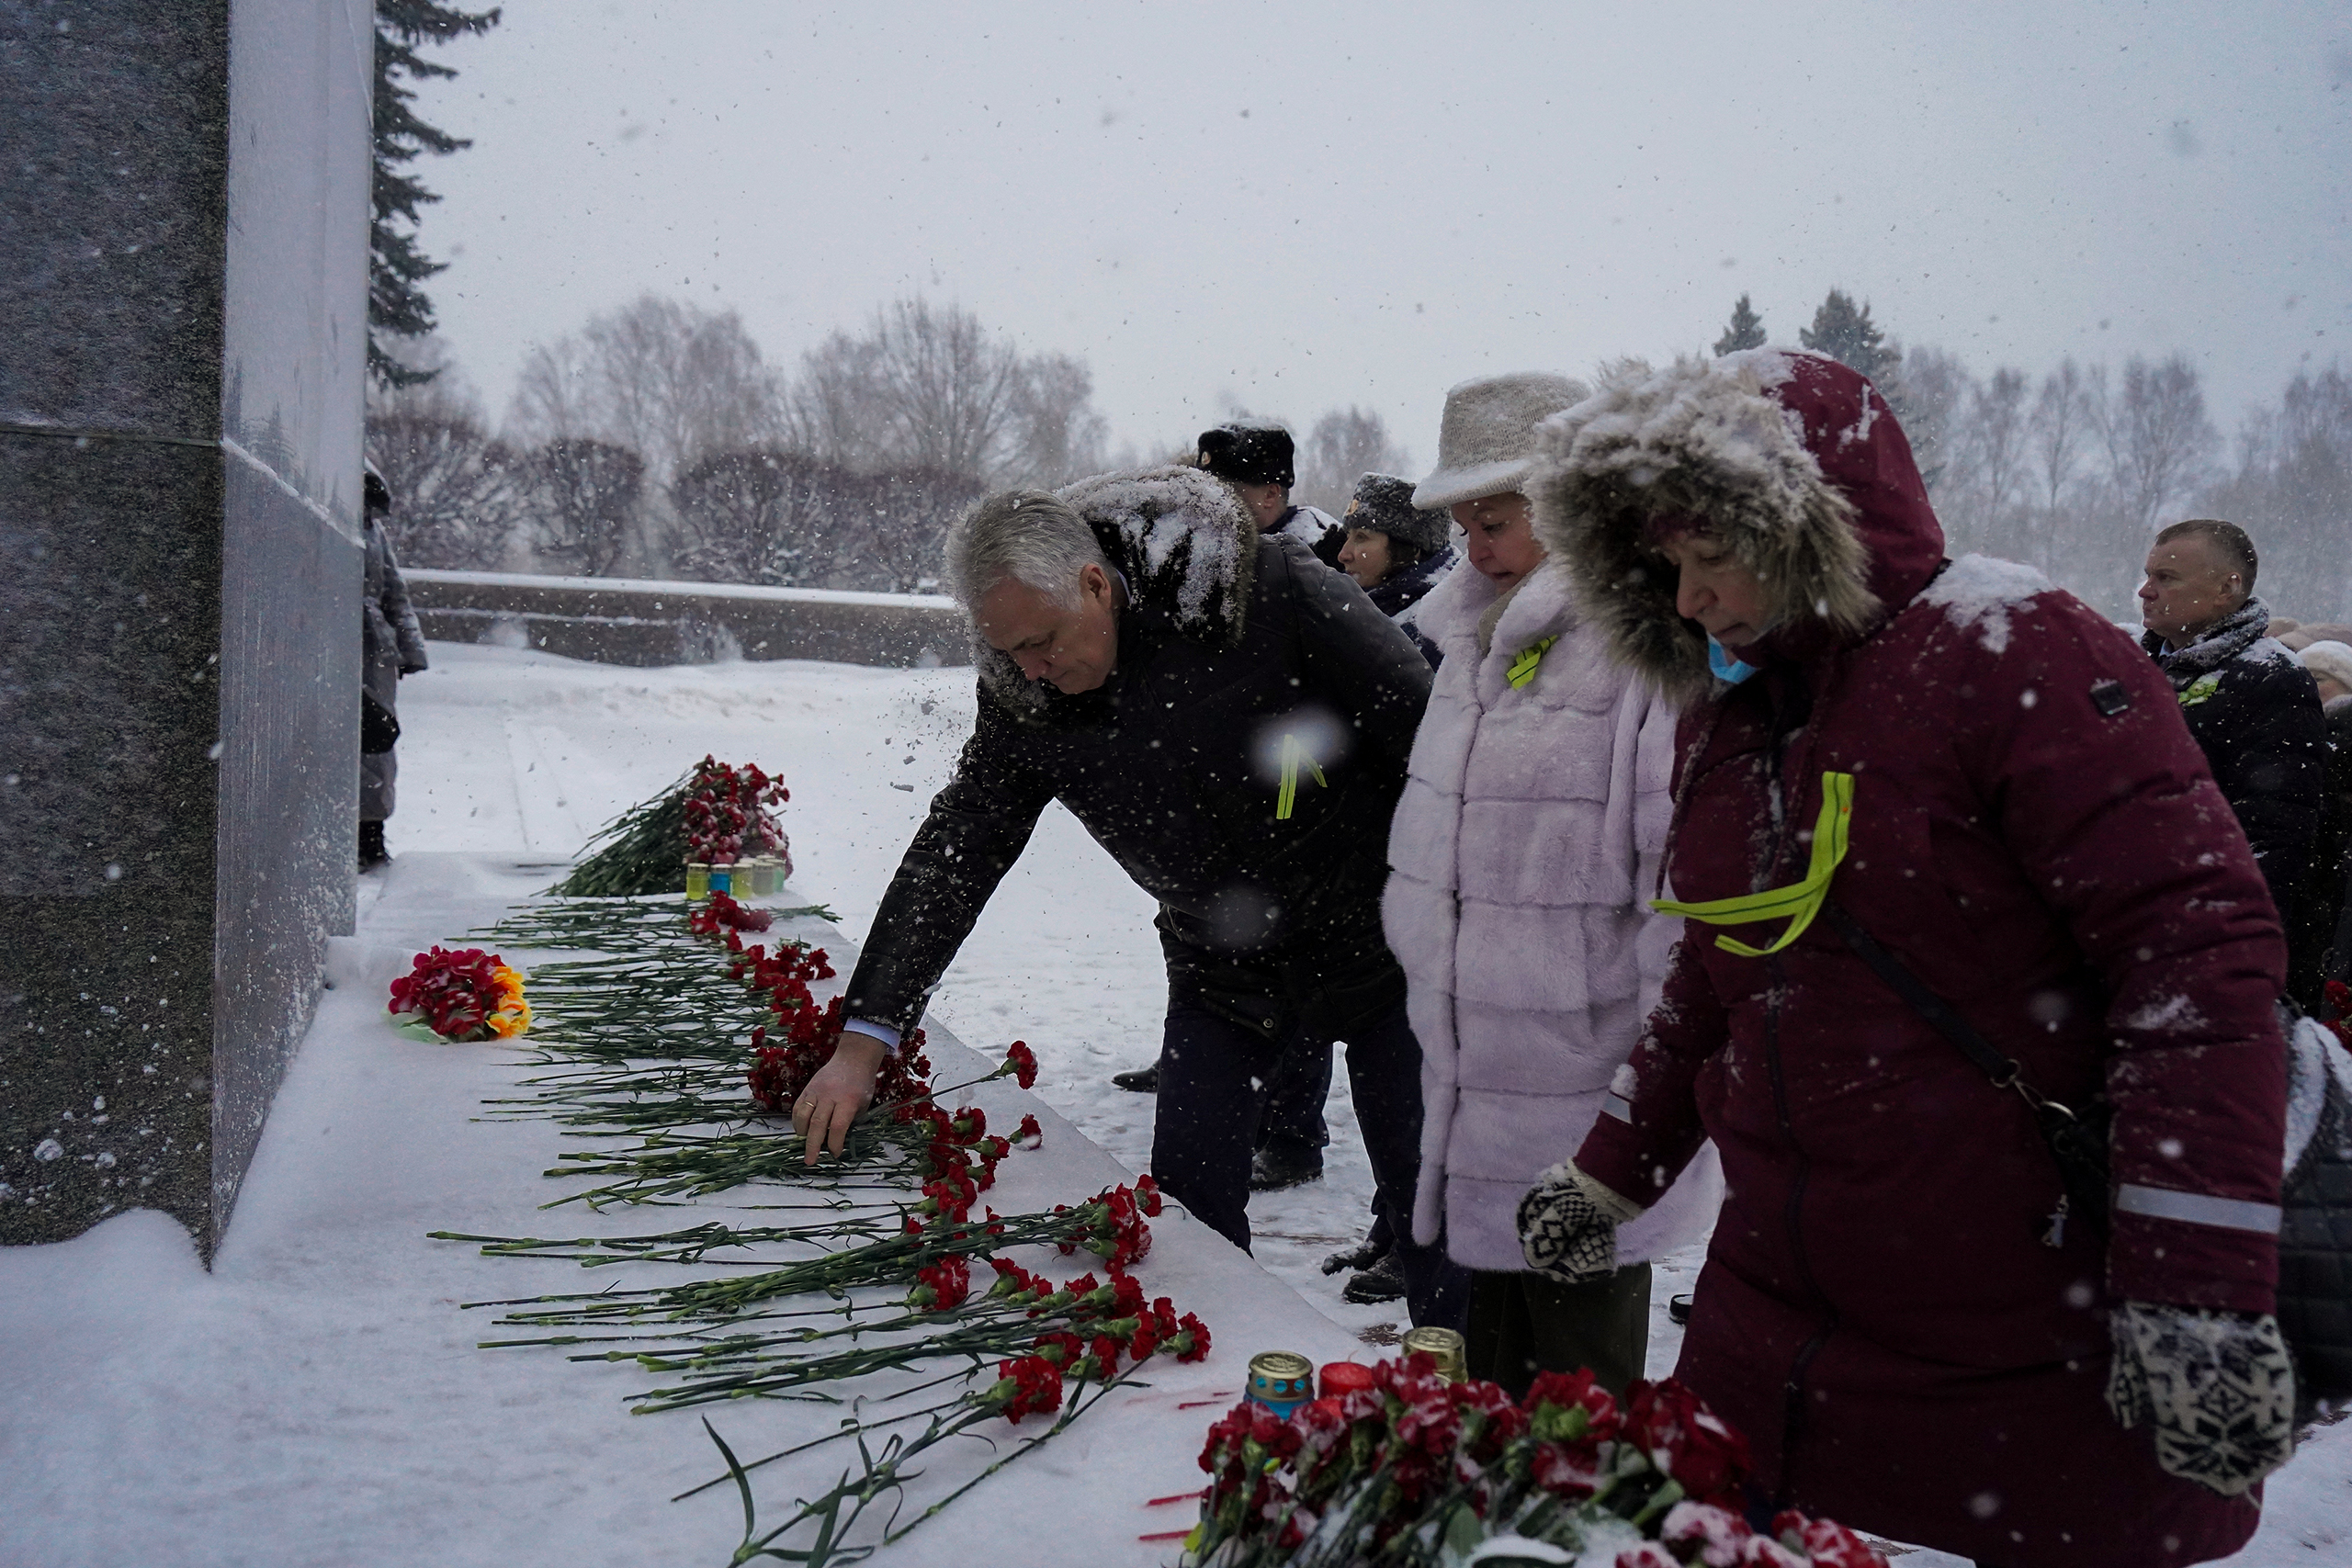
{"type": "Point", "coordinates": [2333, 660]}
{"type": "Point", "coordinates": [1485, 445]}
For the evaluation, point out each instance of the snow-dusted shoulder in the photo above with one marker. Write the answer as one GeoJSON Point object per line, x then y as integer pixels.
{"type": "Point", "coordinates": [1979, 591]}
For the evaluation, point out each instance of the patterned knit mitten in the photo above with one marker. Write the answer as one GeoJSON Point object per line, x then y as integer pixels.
{"type": "Point", "coordinates": [1567, 1226]}
{"type": "Point", "coordinates": [2217, 1386]}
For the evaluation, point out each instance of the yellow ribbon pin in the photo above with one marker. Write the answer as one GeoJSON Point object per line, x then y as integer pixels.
{"type": "Point", "coordinates": [1799, 901]}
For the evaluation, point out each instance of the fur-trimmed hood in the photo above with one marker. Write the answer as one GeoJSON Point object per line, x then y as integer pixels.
{"type": "Point", "coordinates": [1791, 457]}
{"type": "Point", "coordinates": [1185, 545]}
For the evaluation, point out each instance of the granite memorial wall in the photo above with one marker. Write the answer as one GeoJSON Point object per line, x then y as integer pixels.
{"type": "Point", "coordinates": [184, 244]}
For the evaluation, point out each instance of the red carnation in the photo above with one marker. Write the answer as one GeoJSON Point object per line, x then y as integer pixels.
{"type": "Point", "coordinates": [1568, 1470]}
{"type": "Point", "coordinates": [1022, 1063]}
{"type": "Point", "coordinates": [1571, 1405]}
{"type": "Point", "coordinates": [1029, 1135]}
{"type": "Point", "coordinates": [1829, 1543]}
{"type": "Point", "coordinates": [1190, 1339]}
{"type": "Point", "coordinates": [1030, 1385]}
{"type": "Point", "coordinates": [942, 1286]}
{"type": "Point", "coordinates": [1686, 1439]}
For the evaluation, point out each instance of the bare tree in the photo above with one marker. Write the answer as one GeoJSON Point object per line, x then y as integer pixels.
{"type": "Point", "coordinates": [1344, 445]}
{"type": "Point", "coordinates": [456, 492]}
{"type": "Point", "coordinates": [900, 519]}
{"type": "Point", "coordinates": [2061, 426]}
{"type": "Point", "coordinates": [925, 387]}
{"type": "Point", "coordinates": [666, 380]}
{"type": "Point", "coordinates": [1057, 436]}
{"type": "Point", "coordinates": [2293, 489]}
{"type": "Point", "coordinates": [2159, 441]}
{"type": "Point", "coordinates": [755, 514]}
{"type": "Point", "coordinates": [928, 387]}
{"type": "Point", "coordinates": [1929, 390]}
{"type": "Point", "coordinates": [586, 494]}
{"type": "Point", "coordinates": [1995, 440]}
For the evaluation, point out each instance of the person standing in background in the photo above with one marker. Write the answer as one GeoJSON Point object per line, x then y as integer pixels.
{"type": "Point", "coordinates": [2319, 928]}
{"type": "Point", "coordinates": [1259, 459]}
{"type": "Point", "coordinates": [1521, 852]}
{"type": "Point", "coordinates": [390, 645]}
{"type": "Point", "coordinates": [1396, 552]}
{"type": "Point", "coordinates": [2252, 709]}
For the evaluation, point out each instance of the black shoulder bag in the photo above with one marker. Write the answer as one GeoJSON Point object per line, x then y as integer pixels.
{"type": "Point", "coordinates": [2077, 1139]}
{"type": "Point", "coordinates": [2315, 1238]}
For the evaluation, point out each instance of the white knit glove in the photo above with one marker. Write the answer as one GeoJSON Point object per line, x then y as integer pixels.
{"type": "Point", "coordinates": [2217, 1386]}
{"type": "Point", "coordinates": [1567, 1226]}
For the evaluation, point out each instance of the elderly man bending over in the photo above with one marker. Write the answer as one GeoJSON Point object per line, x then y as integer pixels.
{"type": "Point", "coordinates": [1230, 720]}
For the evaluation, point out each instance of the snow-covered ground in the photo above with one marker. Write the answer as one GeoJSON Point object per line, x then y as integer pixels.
{"type": "Point", "coordinates": [315, 1399]}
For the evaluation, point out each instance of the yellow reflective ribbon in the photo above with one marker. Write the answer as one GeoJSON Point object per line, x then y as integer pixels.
{"type": "Point", "coordinates": [1294, 753]}
{"type": "Point", "coordinates": [1522, 669]}
{"type": "Point", "coordinates": [1799, 901]}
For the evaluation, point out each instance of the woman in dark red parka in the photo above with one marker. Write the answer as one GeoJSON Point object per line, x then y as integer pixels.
{"type": "Point", "coordinates": [1895, 1308]}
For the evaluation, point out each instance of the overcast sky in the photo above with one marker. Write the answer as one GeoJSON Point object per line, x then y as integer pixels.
{"type": "Point", "coordinates": [1295, 207]}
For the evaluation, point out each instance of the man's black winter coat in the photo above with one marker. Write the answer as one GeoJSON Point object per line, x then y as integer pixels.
{"type": "Point", "coordinates": [2256, 713]}
{"type": "Point", "coordinates": [1176, 766]}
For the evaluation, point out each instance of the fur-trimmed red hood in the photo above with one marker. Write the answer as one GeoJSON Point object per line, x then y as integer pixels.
{"type": "Point", "coordinates": [1791, 457]}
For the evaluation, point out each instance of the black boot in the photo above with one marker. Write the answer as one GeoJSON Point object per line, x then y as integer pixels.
{"type": "Point", "coordinates": [1274, 1167]}
{"type": "Point", "coordinates": [372, 853]}
{"type": "Point", "coordinates": [1138, 1081]}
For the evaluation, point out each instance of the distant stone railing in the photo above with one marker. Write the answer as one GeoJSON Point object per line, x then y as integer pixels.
{"type": "Point", "coordinates": [629, 621]}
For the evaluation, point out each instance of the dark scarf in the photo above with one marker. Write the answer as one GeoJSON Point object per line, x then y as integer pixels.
{"type": "Point", "coordinates": [1401, 590]}
{"type": "Point", "coordinates": [2220, 642]}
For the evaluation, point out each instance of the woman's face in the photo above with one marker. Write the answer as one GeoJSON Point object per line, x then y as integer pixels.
{"type": "Point", "coordinates": [1365, 557]}
{"type": "Point", "coordinates": [1502, 530]}
{"type": "Point", "coordinates": [1717, 591]}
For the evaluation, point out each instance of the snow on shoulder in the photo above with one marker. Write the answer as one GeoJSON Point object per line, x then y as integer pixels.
{"type": "Point", "coordinates": [1980, 591]}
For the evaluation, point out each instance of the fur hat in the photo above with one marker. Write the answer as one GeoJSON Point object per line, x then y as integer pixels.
{"type": "Point", "coordinates": [2333, 660]}
{"type": "Point", "coordinates": [1485, 445]}
{"type": "Point", "coordinates": [1792, 459]}
{"type": "Point", "coordinates": [1247, 453]}
{"type": "Point", "coordinates": [1384, 503]}
{"type": "Point", "coordinates": [375, 494]}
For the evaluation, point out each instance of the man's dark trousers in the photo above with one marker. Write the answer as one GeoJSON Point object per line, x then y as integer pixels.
{"type": "Point", "coordinates": [1214, 1076]}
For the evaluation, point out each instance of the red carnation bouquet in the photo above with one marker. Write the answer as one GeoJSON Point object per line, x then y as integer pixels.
{"type": "Point", "coordinates": [1417, 1471]}
{"type": "Point", "coordinates": [728, 815]}
{"type": "Point", "coordinates": [465, 995]}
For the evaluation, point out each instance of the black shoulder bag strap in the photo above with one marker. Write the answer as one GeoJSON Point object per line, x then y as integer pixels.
{"type": "Point", "coordinates": [2078, 1142]}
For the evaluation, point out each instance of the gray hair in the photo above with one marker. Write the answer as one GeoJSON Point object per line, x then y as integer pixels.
{"type": "Point", "coordinates": [1030, 536]}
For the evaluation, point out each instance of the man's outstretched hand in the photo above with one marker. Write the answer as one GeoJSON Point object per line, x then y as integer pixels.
{"type": "Point", "coordinates": [843, 1088]}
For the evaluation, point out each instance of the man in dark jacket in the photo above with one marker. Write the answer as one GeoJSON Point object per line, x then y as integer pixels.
{"type": "Point", "coordinates": [1259, 461]}
{"type": "Point", "coordinates": [391, 645]}
{"type": "Point", "coordinates": [2252, 707]}
{"type": "Point", "coordinates": [1231, 722]}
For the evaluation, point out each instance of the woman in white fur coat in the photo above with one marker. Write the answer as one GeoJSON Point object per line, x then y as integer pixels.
{"type": "Point", "coordinates": [1521, 857]}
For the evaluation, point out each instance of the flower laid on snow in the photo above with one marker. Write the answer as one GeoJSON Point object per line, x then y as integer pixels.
{"type": "Point", "coordinates": [1416, 1462]}
{"type": "Point", "coordinates": [726, 814]}
{"type": "Point", "coordinates": [723, 913]}
{"type": "Point", "coordinates": [1020, 1063]}
{"type": "Point", "coordinates": [1028, 1386]}
{"type": "Point", "coordinates": [465, 995]}
{"type": "Point", "coordinates": [1029, 1135]}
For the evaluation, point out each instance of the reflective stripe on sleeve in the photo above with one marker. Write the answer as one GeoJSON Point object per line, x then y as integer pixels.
{"type": "Point", "coordinates": [2196, 1208]}
{"type": "Point", "coordinates": [1618, 1106]}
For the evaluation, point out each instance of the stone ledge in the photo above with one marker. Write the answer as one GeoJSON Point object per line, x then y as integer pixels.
{"type": "Point", "coordinates": [641, 622]}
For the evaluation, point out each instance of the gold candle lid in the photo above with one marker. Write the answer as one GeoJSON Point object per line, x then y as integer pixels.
{"type": "Point", "coordinates": [1444, 1345]}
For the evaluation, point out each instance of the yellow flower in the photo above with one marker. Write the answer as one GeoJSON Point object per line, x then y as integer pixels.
{"type": "Point", "coordinates": [512, 1014]}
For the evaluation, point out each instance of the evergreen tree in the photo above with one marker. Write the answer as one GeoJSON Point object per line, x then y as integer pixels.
{"type": "Point", "coordinates": [1746, 330]}
{"type": "Point", "coordinates": [1845, 334]}
{"type": "Point", "coordinates": [396, 268]}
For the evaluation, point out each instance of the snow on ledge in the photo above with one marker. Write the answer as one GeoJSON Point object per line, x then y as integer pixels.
{"type": "Point", "coordinates": [679, 587]}
{"type": "Point", "coordinates": [1979, 591]}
